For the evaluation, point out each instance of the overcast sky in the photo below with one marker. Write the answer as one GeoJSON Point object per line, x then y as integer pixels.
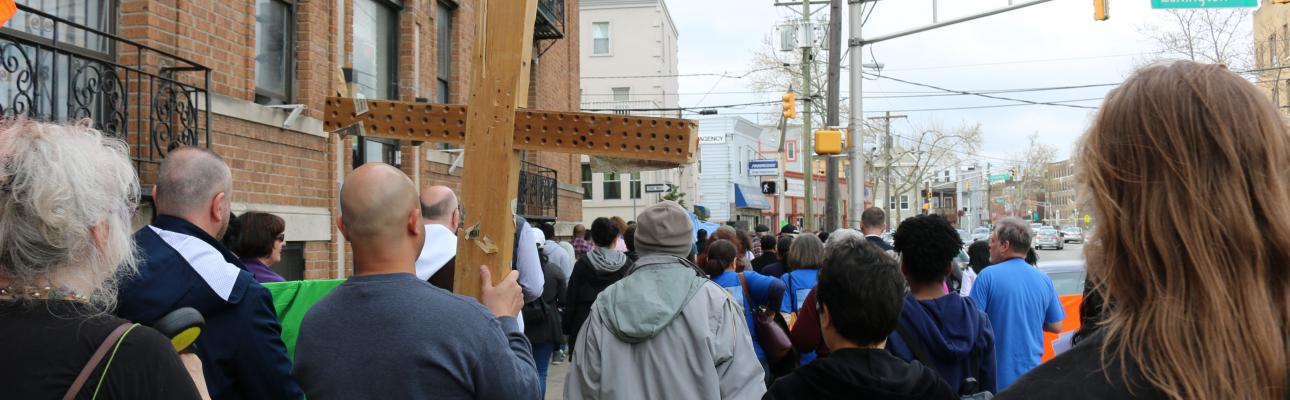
{"type": "Point", "coordinates": [1052, 44]}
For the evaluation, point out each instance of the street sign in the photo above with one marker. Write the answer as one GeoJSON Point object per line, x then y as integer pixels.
{"type": "Point", "coordinates": [657, 188]}
{"type": "Point", "coordinates": [1000, 200]}
{"type": "Point", "coordinates": [1000, 177]}
{"type": "Point", "coordinates": [763, 168]}
{"type": "Point", "coordinates": [1203, 3]}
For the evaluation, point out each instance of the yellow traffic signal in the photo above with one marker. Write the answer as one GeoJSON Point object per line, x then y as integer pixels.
{"type": "Point", "coordinates": [1012, 172]}
{"type": "Point", "coordinates": [790, 105]}
{"type": "Point", "coordinates": [1100, 9]}
{"type": "Point", "coordinates": [1281, 1]}
{"type": "Point", "coordinates": [828, 142]}
{"type": "Point", "coordinates": [969, 184]}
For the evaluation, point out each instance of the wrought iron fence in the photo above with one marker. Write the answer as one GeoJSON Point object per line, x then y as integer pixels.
{"type": "Point", "coordinates": [539, 192]}
{"type": "Point", "coordinates": [54, 69]}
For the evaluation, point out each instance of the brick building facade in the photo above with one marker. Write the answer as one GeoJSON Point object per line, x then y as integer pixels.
{"type": "Point", "coordinates": [269, 57]}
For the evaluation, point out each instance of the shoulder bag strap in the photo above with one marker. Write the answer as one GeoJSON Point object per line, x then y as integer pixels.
{"type": "Point", "coordinates": [915, 346]}
{"type": "Point", "coordinates": [747, 294]}
{"type": "Point", "coordinates": [112, 341]}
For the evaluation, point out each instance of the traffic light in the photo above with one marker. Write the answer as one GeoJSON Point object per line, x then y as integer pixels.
{"type": "Point", "coordinates": [828, 142]}
{"type": "Point", "coordinates": [1012, 173]}
{"type": "Point", "coordinates": [969, 184]}
{"type": "Point", "coordinates": [1281, 1]}
{"type": "Point", "coordinates": [790, 105]}
{"type": "Point", "coordinates": [1101, 10]}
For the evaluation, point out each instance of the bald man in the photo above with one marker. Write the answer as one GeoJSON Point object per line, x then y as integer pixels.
{"type": "Point", "coordinates": [183, 264]}
{"type": "Point", "coordinates": [440, 214]}
{"type": "Point", "coordinates": [387, 334]}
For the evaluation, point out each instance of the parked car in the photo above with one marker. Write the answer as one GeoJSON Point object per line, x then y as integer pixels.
{"type": "Point", "coordinates": [1068, 279]}
{"type": "Point", "coordinates": [981, 233]}
{"type": "Point", "coordinates": [1048, 238]}
{"type": "Point", "coordinates": [1073, 234]}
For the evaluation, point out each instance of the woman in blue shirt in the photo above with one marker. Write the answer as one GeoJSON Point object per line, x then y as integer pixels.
{"type": "Point", "coordinates": [804, 260]}
{"type": "Point", "coordinates": [720, 265]}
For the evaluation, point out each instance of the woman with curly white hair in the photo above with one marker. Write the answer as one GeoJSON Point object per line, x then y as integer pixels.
{"type": "Point", "coordinates": [66, 198]}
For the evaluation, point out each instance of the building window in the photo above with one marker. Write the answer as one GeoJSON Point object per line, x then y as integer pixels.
{"type": "Point", "coordinates": [292, 265]}
{"type": "Point", "coordinates": [376, 44]}
{"type": "Point", "coordinates": [368, 150]}
{"type": "Point", "coordinates": [904, 202]}
{"type": "Point", "coordinates": [443, 68]}
{"type": "Point", "coordinates": [613, 186]}
{"type": "Point", "coordinates": [274, 52]}
{"type": "Point", "coordinates": [586, 181]}
{"type": "Point", "coordinates": [635, 185]}
{"type": "Point", "coordinates": [790, 147]}
{"type": "Point", "coordinates": [1273, 59]}
{"type": "Point", "coordinates": [622, 93]}
{"type": "Point", "coordinates": [891, 202]}
{"type": "Point", "coordinates": [600, 38]}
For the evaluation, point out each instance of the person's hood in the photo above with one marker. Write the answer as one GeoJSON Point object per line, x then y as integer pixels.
{"type": "Point", "coordinates": [606, 261]}
{"type": "Point", "coordinates": [440, 246]}
{"type": "Point", "coordinates": [645, 302]}
{"type": "Point", "coordinates": [950, 324]}
{"type": "Point", "coordinates": [849, 372]}
{"type": "Point", "coordinates": [180, 264]}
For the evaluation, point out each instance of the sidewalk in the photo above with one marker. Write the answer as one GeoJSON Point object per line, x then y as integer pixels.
{"type": "Point", "coordinates": [555, 381]}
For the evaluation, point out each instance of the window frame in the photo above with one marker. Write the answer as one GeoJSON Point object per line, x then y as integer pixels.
{"type": "Point", "coordinates": [360, 150]}
{"type": "Point", "coordinates": [609, 42]}
{"type": "Point", "coordinates": [394, 45]}
{"type": "Point", "coordinates": [443, 76]}
{"type": "Point", "coordinates": [615, 184]}
{"type": "Point", "coordinates": [588, 181]}
{"type": "Point", "coordinates": [904, 202]}
{"type": "Point", "coordinates": [268, 97]}
{"type": "Point", "coordinates": [626, 92]}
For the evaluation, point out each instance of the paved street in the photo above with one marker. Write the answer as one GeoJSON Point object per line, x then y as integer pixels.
{"type": "Point", "coordinates": [555, 381]}
{"type": "Point", "coordinates": [1071, 252]}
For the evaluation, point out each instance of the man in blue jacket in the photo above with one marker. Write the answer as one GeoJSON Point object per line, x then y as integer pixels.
{"type": "Point", "coordinates": [942, 330]}
{"type": "Point", "coordinates": [184, 265]}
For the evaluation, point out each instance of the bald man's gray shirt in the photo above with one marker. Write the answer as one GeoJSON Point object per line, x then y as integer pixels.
{"type": "Point", "coordinates": [394, 336]}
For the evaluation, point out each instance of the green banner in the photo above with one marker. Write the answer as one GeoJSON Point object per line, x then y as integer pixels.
{"type": "Point", "coordinates": [1203, 3]}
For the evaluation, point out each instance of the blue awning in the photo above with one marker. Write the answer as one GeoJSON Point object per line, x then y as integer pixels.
{"type": "Point", "coordinates": [748, 196]}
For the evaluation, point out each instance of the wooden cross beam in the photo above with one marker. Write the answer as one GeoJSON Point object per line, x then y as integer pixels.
{"type": "Point", "coordinates": [493, 126]}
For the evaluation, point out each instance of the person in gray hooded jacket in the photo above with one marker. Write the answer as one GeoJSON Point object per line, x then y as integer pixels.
{"type": "Point", "coordinates": [664, 331]}
{"type": "Point", "coordinates": [595, 271]}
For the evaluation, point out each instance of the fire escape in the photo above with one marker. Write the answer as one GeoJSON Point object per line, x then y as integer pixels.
{"type": "Point", "coordinates": [539, 194]}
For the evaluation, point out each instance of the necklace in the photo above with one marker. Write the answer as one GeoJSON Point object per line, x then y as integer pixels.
{"type": "Point", "coordinates": [40, 293]}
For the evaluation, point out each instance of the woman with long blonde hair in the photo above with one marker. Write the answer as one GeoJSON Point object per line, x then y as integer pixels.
{"type": "Point", "coordinates": [1187, 166]}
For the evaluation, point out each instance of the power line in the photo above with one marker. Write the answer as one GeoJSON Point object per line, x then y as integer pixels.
{"type": "Point", "coordinates": [895, 94]}
{"type": "Point", "coordinates": [982, 94]}
{"type": "Point", "coordinates": [1060, 102]}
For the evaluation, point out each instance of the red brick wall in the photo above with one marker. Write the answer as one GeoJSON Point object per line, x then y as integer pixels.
{"type": "Point", "coordinates": [285, 167]}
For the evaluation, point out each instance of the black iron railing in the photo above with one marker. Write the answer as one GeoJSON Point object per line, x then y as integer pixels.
{"type": "Point", "coordinates": [550, 20]}
{"type": "Point", "coordinates": [57, 70]}
{"type": "Point", "coordinates": [539, 192]}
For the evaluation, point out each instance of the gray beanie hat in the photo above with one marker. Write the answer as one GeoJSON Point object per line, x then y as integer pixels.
{"type": "Point", "coordinates": [664, 228]}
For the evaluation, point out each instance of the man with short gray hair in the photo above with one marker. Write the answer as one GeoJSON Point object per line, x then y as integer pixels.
{"type": "Point", "coordinates": [183, 264]}
{"type": "Point", "coordinates": [873, 222]}
{"type": "Point", "coordinates": [1021, 302]}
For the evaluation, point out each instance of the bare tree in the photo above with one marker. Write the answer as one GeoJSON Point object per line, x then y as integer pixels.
{"type": "Point", "coordinates": [916, 157]}
{"type": "Point", "coordinates": [1034, 178]}
{"type": "Point", "coordinates": [777, 71]}
{"type": "Point", "coordinates": [1208, 35]}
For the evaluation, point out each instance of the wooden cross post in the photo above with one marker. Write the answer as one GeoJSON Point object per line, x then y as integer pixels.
{"type": "Point", "coordinates": [494, 125]}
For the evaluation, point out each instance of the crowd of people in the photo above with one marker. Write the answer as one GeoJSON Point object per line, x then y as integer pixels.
{"type": "Point", "coordinates": [651, 307]}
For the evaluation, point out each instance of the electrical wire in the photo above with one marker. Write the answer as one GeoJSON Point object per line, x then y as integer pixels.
{"type": "Point", "coordinates": [982, 94]}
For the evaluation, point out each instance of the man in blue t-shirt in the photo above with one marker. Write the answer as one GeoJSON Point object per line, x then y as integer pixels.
{"type": "Point", "coordinates": [1020, 301]}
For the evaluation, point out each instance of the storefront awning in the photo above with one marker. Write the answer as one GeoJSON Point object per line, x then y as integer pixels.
{"type": "Point", "coordinates": [749, 196]}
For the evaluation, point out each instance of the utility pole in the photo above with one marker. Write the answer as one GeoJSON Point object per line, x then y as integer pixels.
{"type": "Point", "coordinates": [887, 123]}
{"type": "Point", "coordinates": [833, 190]}
{"type": "Point", "coordinates": [856, 179]}
{"type": "Point", "coordinates": [808, 166]}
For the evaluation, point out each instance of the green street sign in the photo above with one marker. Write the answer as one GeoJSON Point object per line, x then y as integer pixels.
{"type": "Point", "coordinates": [1203, 3]}
{"type": "Point", "coordinates": [1000, 177]}
{"type": "Point", "coordinates": [1000, 200]}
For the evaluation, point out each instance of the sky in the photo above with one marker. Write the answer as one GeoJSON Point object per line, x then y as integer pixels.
{"type": "Point", "coordinates": [1052, 44]}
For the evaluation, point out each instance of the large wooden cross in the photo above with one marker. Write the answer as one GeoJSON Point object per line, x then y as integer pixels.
{"type": "Point", "coordinates": [494, 126]}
